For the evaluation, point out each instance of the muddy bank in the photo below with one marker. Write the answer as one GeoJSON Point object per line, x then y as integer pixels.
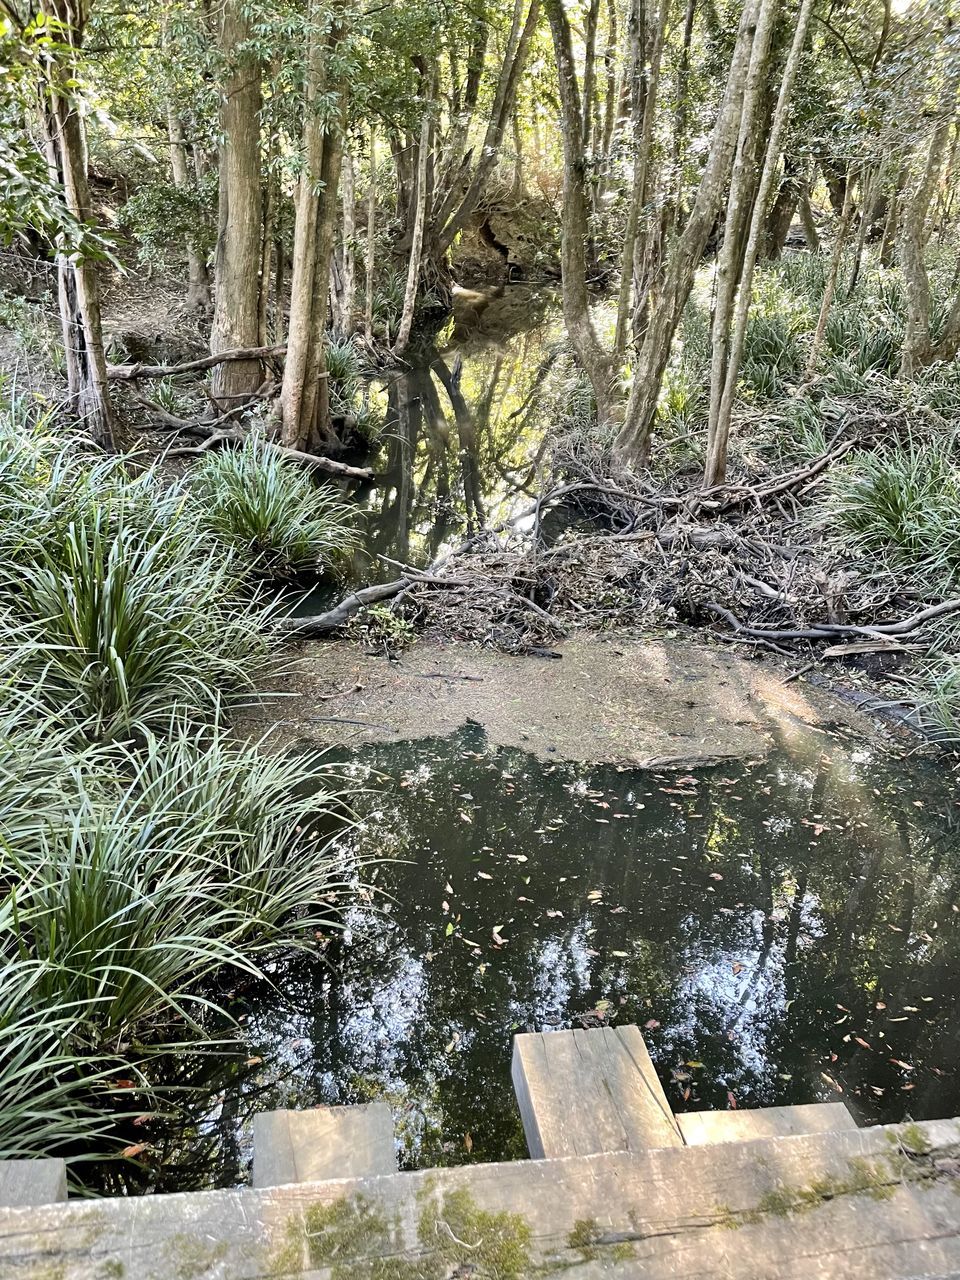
{"type": "Point", "coordinates": [641, 703]}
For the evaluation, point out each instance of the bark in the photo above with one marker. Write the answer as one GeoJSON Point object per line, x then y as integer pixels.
{"type": "Point", "coordinates": [573, 262]}
{"type": "Point", "coordinates": [370, 247]}
{"type": "Point", "coordinates": [867, 192]}
{"type": "Point", "coordinates": [78, 286]}
{"type": "Point", "coordinates": [780, 218]}
{"type": "Point", "coordinates": [917, 345]}
{"type": "Point", "coordinates": [888, 242]}
{"type": "Point", "coordinates": [808, 222]}
{"type": "Point", "coordinates": [237, 271]}
{"type": "Point", "coordinates": [739, 207]}
{"type": "Point", "coordinates": [266, 259]}
{"type": "Point", "coordinates": [643, 114]}
{"type": "Point", "coordinates": [716, 462]}
{"type": "Point", "coordinates": [416, 246]}
{"type": "Point", "coordinates": [304, 404]}
{"type": "Point", "coordinates": [198, 278]}
{"type": "Point", "coordinates": [632, 445]}
{"type": "Point", "coordinates": [830, 287]}
{"type": "Point", "coordinates": [347, 293]}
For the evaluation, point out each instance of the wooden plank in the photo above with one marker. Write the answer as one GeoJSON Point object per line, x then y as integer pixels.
{"type": "Point", "coordinates": [323, 1143]}
{"type": "Point", "coordinates": [25, 1182]}
{"type": "Point", "coordinates": [702, 1127]}
{"type": "Point", "coordinates": [584, 1092]}
{"type": "Point", "coordinates": [870, 1204]}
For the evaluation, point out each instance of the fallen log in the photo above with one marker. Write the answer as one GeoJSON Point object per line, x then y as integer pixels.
{"type": "Point", "coordinates": [831, 630]}
{"type": "Point", "coordinates": [131, 372]}
{"type": "Point", "coordinates": [323, 623]}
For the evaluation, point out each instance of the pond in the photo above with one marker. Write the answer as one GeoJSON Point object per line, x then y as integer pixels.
{"type": "Point", "coordinates": [464, 424]}
{"type": "Point", "coordinates": [785, 930]}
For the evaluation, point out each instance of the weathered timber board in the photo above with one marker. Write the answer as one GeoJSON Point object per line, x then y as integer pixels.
{"type": "Point", "coordinates": [32, 1181]}
{"type": "Point", "coordinates": [584, 1092]}
{"type": "Point", "coordinates": [847, 1205]}
{"type": "Point", "coordinates": [323, 1143]}
{"type": "Point", "coordinates": [699, 1127]}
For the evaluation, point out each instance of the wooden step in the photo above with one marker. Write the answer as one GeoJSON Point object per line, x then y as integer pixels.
{"type": "Point", "coordinates": [584, 1092]}
{"type": "Point", "coordinates": [32, 1182]}
{"type": "Point", "coordinates": [701, 1127]}
{"type": "Point", "coordinates": [323, 1143]}
{"type": "Point", "coordinates": [879, 1203]}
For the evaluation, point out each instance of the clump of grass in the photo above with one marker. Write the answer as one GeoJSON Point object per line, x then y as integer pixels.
{"type": "Point", "coordinates": [270, 512]}
{"type": "Point", "coordinates": [903, 506]}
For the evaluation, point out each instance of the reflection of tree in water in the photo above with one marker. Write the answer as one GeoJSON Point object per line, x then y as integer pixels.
{"type": "Point", "coordinates": [766, 921]}
{"type": "Point", "coordinates": [462, 431]}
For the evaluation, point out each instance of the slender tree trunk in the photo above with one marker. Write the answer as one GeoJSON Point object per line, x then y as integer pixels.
{"type": "Point", "coordinates": [643, 111]}
{"type": "Point", "coordinates": [78, 285]}
{"type": "Point", "coordinates": [237, 274]}
{"type": "Point", "coordinates": [808, 222]}
{"type": "Point", "coordinates": [266, 259]}
{"type": "Point", "coordinates": [632, 445]}
{"type": "Point", "coordinates": [370, 248]}
{"type": "Point", "coordinates": [304, 399]}
{"type": "Point", "coordinates": [573, 262]}
{"type": "Point", "coordinates": [449, 223]}
{"type": "Point", "coordinates": [830, 287]}
{"type": "Point", "coordinates": [348, 286]}
{"type": "Point", "coordinates": [888, 242]}
{"type": "Point", "coordinates": [867, 192]}
{"type": "Point", "coordinates": [739, 206]}
{"type": "Point", "coordinates": [917, 345]}
{"type": "Point", "coordinates": [198, 278]}
{"type": "Point", "coordinates": [719, 430]}
{"type": "Point", "coordinates": [416, 246]}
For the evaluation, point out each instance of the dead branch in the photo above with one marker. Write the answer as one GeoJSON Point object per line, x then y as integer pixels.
{"type": "Point", "coordinates": [323, 623]}
{"type": "Point", "coordinates": [830, 630]}
{"type": "Point", "coordinates": [131, 372]}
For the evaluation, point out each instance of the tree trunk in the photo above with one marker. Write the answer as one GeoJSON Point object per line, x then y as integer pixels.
{"type": "Point", "coordinates": [780, 217]}
{"type": "Point", "coordinates": [237, 273]}
{"type": "Point", "coordinates": [632, 445]}
{"type": "Point", "coordinates": [830, 287]}
{"type": "Point", "coordinates": [198, 278]}
{"type": "Point", "coordinates": [808, 222]}
{"type": "Point", "coordinates": [78, 286]}
{"type": "Point", "coordinates": [450, 224]}
{"type": "Point", "coordinates": [416, 245]}
{"type": "Point", "coordinates": [739, 206]}
{"type": "Point", "coordinates": [347, 299]}
{"type": "Point", "coordinates": [304, 404]}
{"type": "Point", "coordinates": [917, 346]}
{"type": "Point", "coordinates": [716, 461]}
{"type": "Point", "coordinates": [266, 258]}
{"type": "Point", "coordinates": [573, 262]}
{"type": "Point", "coordinates": [370, 246]}
{"type": "Point", "coordinates": [643, 114]}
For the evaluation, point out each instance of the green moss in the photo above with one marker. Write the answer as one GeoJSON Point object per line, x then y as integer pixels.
{"type": "Point", "coordinates": [112, 1269]}
{"type": "Point", "coordinates": [193, 1258]}
{"type": "Point", "coordinates": [461, 1234]}
{"type": "Point", "coordinates": [913, 1138]}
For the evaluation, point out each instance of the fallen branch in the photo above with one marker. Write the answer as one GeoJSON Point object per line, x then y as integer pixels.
{"type": "Point", "coordinates": [323, 623]}
{"type": "Point", "coordinates": [829, 630]}
{"type": "Point", "coordinates": [131, 372]}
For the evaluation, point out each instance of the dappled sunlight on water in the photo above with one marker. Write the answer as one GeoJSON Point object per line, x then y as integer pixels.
{"type": "Point", "coordinates": [782, 931]}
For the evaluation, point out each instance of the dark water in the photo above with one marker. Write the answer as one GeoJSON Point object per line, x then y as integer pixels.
{"type": "Point", "coordinates": [463, 425]}
{"type": "Point", "coordinates": [784, 931]}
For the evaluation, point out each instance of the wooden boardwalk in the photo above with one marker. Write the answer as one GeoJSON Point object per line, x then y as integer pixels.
{"type": "Point", "coordinates": [789, 1194]}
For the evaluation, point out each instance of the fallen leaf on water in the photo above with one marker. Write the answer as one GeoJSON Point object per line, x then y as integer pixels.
{"type": "Point", "coordinates": [252, 1062]}
{"type": "Point", "coordinates": [732, 1100]}
{"type": "Point", "coordinates": [861, 1042]}
{"type": "Point", "coordinates": [651, 1024]}
{"type": "Point", "coordinates": [497, 936]}
{"type": "Point", "coordinates": [134, 1150]}
{"type": "Point", "coordinates": [468, 1142]}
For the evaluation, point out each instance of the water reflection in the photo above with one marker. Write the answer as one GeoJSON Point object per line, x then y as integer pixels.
{"type": "Point", "coordinates": [784, 931]}
{"type": "Point", "coordinates": [463, 428]}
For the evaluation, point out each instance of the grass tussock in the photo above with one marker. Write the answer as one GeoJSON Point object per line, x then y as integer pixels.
{"type": "Point", "coordinates": [146, 859]}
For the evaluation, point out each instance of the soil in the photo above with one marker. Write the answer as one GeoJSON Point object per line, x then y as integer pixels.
{"type": "Point", "coordinates": [641, 703]}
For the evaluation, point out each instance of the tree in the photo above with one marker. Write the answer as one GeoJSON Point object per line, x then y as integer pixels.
{"type": "Point", "coordinates": [237, 269]}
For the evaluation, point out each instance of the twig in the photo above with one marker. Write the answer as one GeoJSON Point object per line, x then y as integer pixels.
{"type": "Point", "coordinates": [131, 372]}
